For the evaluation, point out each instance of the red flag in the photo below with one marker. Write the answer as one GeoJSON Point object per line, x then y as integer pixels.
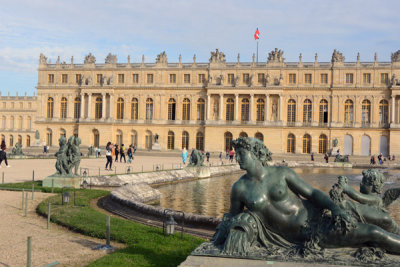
{"type": "Point", "coordinates": [257, 35]}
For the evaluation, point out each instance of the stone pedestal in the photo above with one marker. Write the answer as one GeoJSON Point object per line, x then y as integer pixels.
{"type": "Point", "coordinates": [334, 151]}
{"type": "Point", "coordinates": [343, 164]}
{"type": "Point", "coordinates": [156, 146]}
{"type": "Point", "coordinates": [37, 143]}
{"type": "Point", "coordinates": [203, 172]}
{"type": "Point", "coordinates": [59, 181]}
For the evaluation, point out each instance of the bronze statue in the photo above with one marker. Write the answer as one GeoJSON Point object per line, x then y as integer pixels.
{"type": "Point", "coordinates": [196, 158]}
{"type": "Point", "coordinates": [68, 156]}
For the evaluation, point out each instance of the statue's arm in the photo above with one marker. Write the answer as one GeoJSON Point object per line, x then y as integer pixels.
{"type": "Point", "coordinates": [237, 205]}
{"type": "Point", "coordinates": [360, 197]}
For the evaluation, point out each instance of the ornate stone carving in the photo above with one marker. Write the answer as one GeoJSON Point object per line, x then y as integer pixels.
{"type": "Point", "coordinates": [162, 58]}
{"type": "Point", "coordinates": [395, 81]}
{"type": "Point", "coordinates": [276, 56]}
{"type": "Point", "coordinates": [337, 57]}
{"type": "Point", "coordinates": [111, 59]}
{"type": "Point", "coordinates": [42, 59]}
{"type": "Point", "coordinates": [396, 56]}
{"type": "Point", "coordinates": [217, 57]}
{"type": "Point", "coordinates": [89, 59]}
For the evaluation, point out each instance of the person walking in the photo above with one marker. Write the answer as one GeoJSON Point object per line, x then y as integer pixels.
{"type": "Point", "coordinates": [3, 154]}
{"type": "Point", "coordinates": [109, 155]}
{"type": "Point", "coordinates": [227, 154]}
{"type": "Point", "coordinates": [312, 156]}
{"type": "Point", "coordinates": [326, 157]}
{"type": "Point", "coordinates": [220, 156]}
{"type": "Point", "coordinates": [130, 154]}
{"type": "Point", "coordinates": [231, 153]}
{"type": "Point", "coordinates": [208, 156]}
{"type": "Point", "coordinates": [184, 155]}
{"type": "Point", "coordinates": [116, 153]}
{"type": "Point", "coordinates": [122, 152]}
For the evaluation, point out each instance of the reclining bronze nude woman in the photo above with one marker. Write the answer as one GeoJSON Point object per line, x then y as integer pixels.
{"type": "Point", "coordinates": [273, 209]}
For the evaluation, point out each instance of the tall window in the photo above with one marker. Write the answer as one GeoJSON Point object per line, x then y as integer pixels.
{"type": "Point", "coordinates": [134, 108]}
{"type": "Point", "coordinates": [384, 78]}
{"type": "Point", "coordinates": [135, 78]}
{"type": "Point", "coordinates": [64, 78]}
{"type": "Point", "coordinates": [367, 78]}
{"type": "Point", "coordinates": [98, 108]}
{"type": "Point", "coordinates": [172, 78]}
{"type": "Point", "coordinates": [19, 123]}
{"type": "Point", "coordinates": [186, 78]}
{"type": "Point", "coordinates": [28, 141]}
{"type": "Point", "coordinates": [246, 78]}
{"type": "Point", "coordinates": [291, 143]}
{"type": "Point", "coordinates": [120, 108]}
{"type": "Point", "coordinates": [186, 109]}
{"type": "Point", "coordinates": [383, 112]}
{"type": "Point", "coordinates": [121, 78]}
{"type": "Point", "coordinates": [200, 109]}
{"type": "Point", "coordinates": [149, 78]}
{"type": "Point", "coordinates": [19, 140]}
{"type": "Point", "coordinates": [28, 123]}
{"type": "Point", "coordinates": [77, 107]}
{"type": "Point", "coordinates": [49, 136]}
{"type": "Point", "coordinates": [171, 109]}
{"type": "Point", "coordinates": [260, 109]}
{"type": "Point", "coordinates": [202, 78]}
{"type": "Point", "coordinates": [230, 105]}
{"type": "Point", "coordinates": [200, 141]}
{"type": "Point", "coordinates": [245, 109]}
{"type": "Point", "coordinates": [323, 111]}
{"type": "Point", "coordinates": [322, 144]}
{"type": "Point", "coordinates": [185, 140]}
{"type": "Point", "coordinates": [366, 112]}
{"type": "Point", "coordinates": [149, 109]}
{"type": "Point", "coordinates": [308, 78]}
{"type": "Point", "coordinates": [99, 78]}
{"type": "Point", "coordinates": [50, 107]}
{"type": "Point", "coordinates": [261, 78]}
{"type": "Point", "coordinates": [119, 138]}
{"type": "Point", "coordinates": [63, 113]}
{"type": "Point", "coordinates": [78, 78]}
{"type": "Point", "coordinates": [171, 140]}
{"type": "Point", "coordinates": [307, 111]}
{"type": "Point", "coordinates": [96, 138]}
{"type": "Point", "coordinates": [306, 144]}
{"type": "Point", "coordinates": [349, 78]}
{"type": "Point", "coordinates": [324, 78]}
{"type": "Point", "coordinates": [11, 141]}
{"type": "Point", "coordinates": [348, 111]}
{"type": "Point", "coordinates": [231, 78]}
{"type": "Point", "coordinates": [51, 78]}
{"type": "Point", "coordinates": [12, 122]}
{"type": "Point", "coordinates": [292, 78]}
{"type": "Point", "coordinates": [291, 114]}
{"type": "Point", "coordinates": [228, 141]}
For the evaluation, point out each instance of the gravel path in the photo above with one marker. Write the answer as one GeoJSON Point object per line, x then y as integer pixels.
{"type": "Point", "coordinates": [48, 246]}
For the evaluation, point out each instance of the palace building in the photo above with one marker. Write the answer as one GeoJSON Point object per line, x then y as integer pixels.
{"type": "Point", "coordinates": [294, 107]}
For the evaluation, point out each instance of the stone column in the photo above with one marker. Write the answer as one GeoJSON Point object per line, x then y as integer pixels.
{"type": "Point", "coordinates": [280, 107]}
{"type": "Point", "coordinates": [392, 114]}
{"type": "Point", "coordinates": [82, 107]}
{"type": "Point", "coordinates": [208, 107]}
{"type": "Point", "coordinates": [266, 108]}
{"type": "Point", "coordinates": [221, 106]}
{"type": "Point", "coordinates": [111, 106]}
{"type": "Point", "coordinates": [89, 105]}
{"type": "Point", "coordinates": [252, 107]}
{"type": "Point", "coordinates": [70, 106]}
{"type": "Point", "coordinates": [236, 107]}
{"type": "Point", "coordinates": [103, 107]}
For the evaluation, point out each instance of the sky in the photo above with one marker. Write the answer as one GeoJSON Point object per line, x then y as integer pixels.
{"type": "Point", "coordinates": [188, 27]}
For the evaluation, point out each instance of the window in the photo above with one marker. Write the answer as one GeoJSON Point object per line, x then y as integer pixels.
{"type": "Point", "coordinates": [307, 111]}
{"type": "Point", "coordinates": [246, 78]}
{"type": "Point", "coordinates": [306, 144]}
{"type": "Point", "coordinates": [185, 140]}
{"type": "Point", "coordinates": [260, 109]}
{"type": "Point", "coordinates": [186, 109]}
{"type": "Point", "coordinates": [96, 138]}
{"type": "Point", "coordinates": [134, 109]}
{"type": "Point", "coordinates": [349, 78]}
{"type": "Point", "coordinates": [21, 105]}
{"type": "Point", "coordinates": [63, 111]}
{"type": "Point", "coordinates": [384, 78]}
{"type": "Point", "coordinates": [348, 112]}
{"type": "Point", "coordinates": [291, 142]}
{"type": "Point", "coordinates": [121, 78]}
{"type": "Point", "coordinates": [383, 112]}
{"type": "Point", "coordinates": [200, 109]}
{"type": "Point", "coordinates": [149, 109]}
{"type": "Point", "coordinates": [119, 138]}
{"type": "Point", "coordinates": [78, 78]}
{"type": "Point", "coordinates": [230, 105]}
{"type": "Point", "coordinates": [49, 136]}
{"type": "Point", "coordinates": [98, 108]}
{"type": "Point", "coordinates": [64, 78]}
{"type": "Point", "coordinates": [171, 109]}
{"type": "Point", "coordinates": [149, 78]}
{"type": "Point", "coordinates": [367, 78]}
{"type": "Point", "coordinates": [11, 141]}
{"type": "Point", "coordinates": [99, 78]}
{"type": "Point", "coordinates": [243, 134]}
{"type": "Point", "coordinates": [366, 112]}
{"type": "Point", "coordinates": [307, 78]}
{"type": "Point", "coordinates": [324, 78]}
{"type": "Point", "coordinates": [186, 78]}
{"type": "Point", "coordinates": [172, 78]}
{"type": "Point", "coordinates": [77, 107]}
{"type": "Point", "coordinates": [261, 78]}
{"type": "Point", "coordinates": [50, 107]}
{"type": "Point", "coordinates": [135, 78]}
{"type": "Point", "coordinates": [322, 144]}
{"type": "Point", "coordinates": [19, 123]}
{"type": "Point", "coordinates": [171, 140]}
{"type": "Point", "coordinates": [259, 136]}
{"type": "Point", "coordinates": [228, 141]}
{"type": "Point", "coordinates": [245, 110]}
{"type": "Point", "coordinates": [28, 123]}
{"type": "Point", "coordinates": [202, 78]}
{"type": "Point", "coordinates": [292, 78]}
{"type": "Point", "coordinates": [12, 122]}
{"type": "Point", "coordinates": [323, 111]}
{"type": "Point", "coordinates": [200, 141]}
{"type": "Point", "coordinates": [28, 141]}
{"type": "Point", "coordinates": [51, 78]}
{"type": "Point", "coordinates": [291, 115]}
{"type": "Point", "coordinates": [231, 78]}
{"type": "Point", "coordinates": [120, 108]}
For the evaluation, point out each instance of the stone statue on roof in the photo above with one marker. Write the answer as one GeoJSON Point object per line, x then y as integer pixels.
{"type": "Point", "coordinates": [162, 58]}
{"type": "Point", "coordinates": [276, 56]}
{"type": "Point", "coordinates": [42, 59]}
{"type": "Point", "coordinates": [396, 56]}
{"type": "Point", "coordinates": [111, 59]}
{"type": "Point", "coordinates": [89, 59]}
{"type": "Point", "coordinates": [337, 57]}
{"type": "Point", "coordinates": [217, 57]}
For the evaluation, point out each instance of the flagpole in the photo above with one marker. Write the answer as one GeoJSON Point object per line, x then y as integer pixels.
{"type": "Point", "coordinates": [257, 51]}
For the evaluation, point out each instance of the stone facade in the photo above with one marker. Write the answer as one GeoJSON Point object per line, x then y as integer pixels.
{"type": "Point", "coordinates": [295, 107]}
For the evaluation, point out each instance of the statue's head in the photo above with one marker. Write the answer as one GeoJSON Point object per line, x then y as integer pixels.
{"type": "Point", "coordinates": [372, 182]}
{"type": "Point", "coordinates": [71, 140]}
{"type": "Point", "coordinates": [257, 148]}
{"type": "Point", "coordinates": [62, 141]}
{"type": "Point", "coordinates": [77, 141]}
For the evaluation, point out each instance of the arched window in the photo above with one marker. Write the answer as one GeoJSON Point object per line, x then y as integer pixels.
{"type": "Point", "coordinates": [77, 107]}
{"type": "Point", "coordinates": [260, 109]}
{"type": "Point", "coordinates": [119, 138]}
{"type": "Point", "coordinates": [366, 112]}
{"type": "Point", "coordinates": [322, 144]}
{"type": "Point", "coordinates": [186, 109]}
{"type": "Point", "coordinates": [383, 112]}
{"type": "Point", "coordinates": [50, 108]}
{"type": "Point", "coordinates": [134, 138]}
{"type": "Point", "coordinates": [259, 136]}
{"type": "Point", "coordinates": [28, 141]}
{"type": "Point", "coordinates": [49, 137]}
{"type": "Point", "coordinates": [171, 140]}
{"type": "Point", "coordinates": [149, 138]}
{"type": "Point", "coordinates": [228, 141]}
{"type": "Point", "coordinates": [12, 122]}
{"type": "Point", "coordinates": [19, 140]}
{"type": "Point", "coordinates": [291, 114]}
{"type": "Point", "coordinates": [306, 144]}
{"type": "Point", "coordinates": [134, 109]}
{"type": "Point", "coordinates": [323, 111]}
{"type": "Point", "coordinates": [291, 143]}
{"type": "Point", "coordinates": [245, 109]}
{"type": "Point", "coordinates": [63, 108]}
{"type": "Point", "coordinates": [200, 141]}
{"type": "Point", "coordinates": [230, 105]}
{"type": "Point", "coordinates": [120, 108]}
{"type": "Point", "coordinates": [243, 134]}
{"type": "Point", "coordinates": [149, 109]}
{"type": "Point", "coordinates": [307, 111]}
{"type": "Point", "coordinates": [11, 141]}
{"type": "Point", "coordinates": [185, 140]}
{"type": "Point", "coordinates": [96, 138]}
{"type": "Point", "coordinates": [171, 109]}
{"type": "Point", "coordinates": [3, 138]}
{"type": "Point", "coordinates": [348, 111]}
{"type": "Point", "coordinates": [98, 108]}
{"type": "Point", "coordinates": [19, 122]}
{"type": "Point", "coordinates": [200, 109]}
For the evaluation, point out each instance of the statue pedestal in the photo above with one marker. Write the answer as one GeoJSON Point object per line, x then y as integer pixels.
{"type": "Point", "coordinates": [156, 146]}
{"type": "Point", "coordinates": [59, 181]}
{"type": "Point", "coordinates": [37, 143]}
{"type": "Point", "coordinates": [334, 151]}
{"type": "Point", "coordinates": [203, 172]}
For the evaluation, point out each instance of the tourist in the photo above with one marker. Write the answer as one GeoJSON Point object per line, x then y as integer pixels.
{"type": "Point", "coordinates": [109, 148]}
{"type": "Point", "coordinates": [231, 153]}
{"type": "Point", "coordinates": [116, 152]}
{"type": "Point", "coordinates": [122, 152]}
{"type": "Point", "coordinates": [98, 152]}
{"type": "Point", "coordinates": [227, 154]}
{"type": "Point", "coordinates": [389, 158]}
{"type": "Point", "coordinates": [3, 154]}
{"type": "Point", "coordinates": [380, 159]}
{"type": "Point", "coordinates": [326, 157]}
{"type": "Point", "coordinates": [312, 156]}
{"type": "Point", "coordinates": [393, 157]}
{"type": "Point", "coordinates": [184, 155]}
{"type": "Point", "coordinates": [220, 156]}
{"type": "Point", "coordinates": [130, 154]}
{"type": "Point", "coordinates": [208, 156]}
{"type": "Point", "coordinates": [372, 160]}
